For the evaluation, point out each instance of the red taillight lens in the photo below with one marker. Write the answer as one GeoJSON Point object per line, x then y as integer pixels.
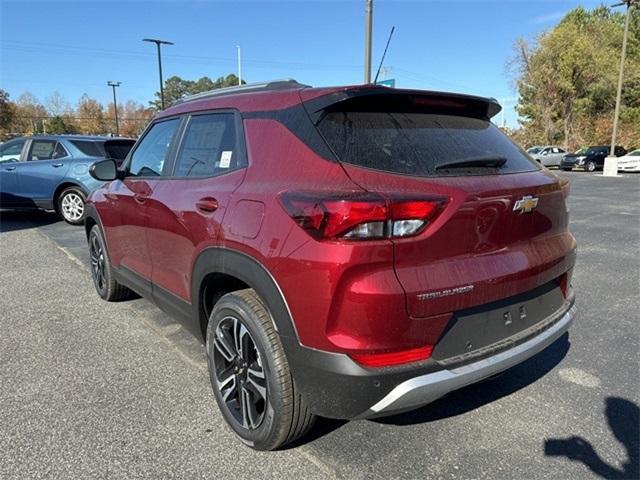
{"type": "Point", "coordinates": [355, 215]}
{"type": "Point", "coordinates": [389, 359]}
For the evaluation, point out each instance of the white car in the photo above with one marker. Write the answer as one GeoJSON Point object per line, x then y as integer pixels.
{"type": "Point", "coordinates": [549, 156]}
{"type": "Point", "coordinates": [630, 162]}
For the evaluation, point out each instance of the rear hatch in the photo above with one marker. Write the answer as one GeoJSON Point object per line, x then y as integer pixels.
{"type": "Point", "coordinates": [502, 229]}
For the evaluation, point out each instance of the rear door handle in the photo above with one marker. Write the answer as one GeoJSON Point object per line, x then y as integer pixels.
{"type": "Point", "coordinates": [56, 165]}
{"type": "Point", "coordinates": [207, 205]}
{"type": "Point", "coordinates": [10, 169]}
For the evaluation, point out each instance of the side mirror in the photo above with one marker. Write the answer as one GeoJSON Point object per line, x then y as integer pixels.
{"type": "Point", "coordinates": [104, 170]}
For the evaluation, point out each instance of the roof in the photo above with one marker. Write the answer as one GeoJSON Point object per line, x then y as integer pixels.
{"type": "Point", "coordinates": [90, 138]}
{"type": "Point", "coordinates": [281, 94]}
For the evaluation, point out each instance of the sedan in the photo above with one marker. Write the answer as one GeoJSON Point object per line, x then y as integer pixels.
{"type": "Point", "coordinates": [549, 156]}
{"type": "Point", "coordinates": [630, 162]}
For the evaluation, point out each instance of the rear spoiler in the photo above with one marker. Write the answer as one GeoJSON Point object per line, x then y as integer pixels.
{"type": "Point", "coordinates": [377, 98]}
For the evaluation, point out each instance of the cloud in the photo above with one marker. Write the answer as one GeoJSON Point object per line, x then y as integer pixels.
{"type": "Point", "coordinates": [548, 18]}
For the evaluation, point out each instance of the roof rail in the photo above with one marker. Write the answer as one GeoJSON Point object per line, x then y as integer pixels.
{"type": "Point", "coordinates": [284, 84]}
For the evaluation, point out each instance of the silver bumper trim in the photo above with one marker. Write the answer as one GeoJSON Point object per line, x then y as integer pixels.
{"type": "Point", "coordinates": [425, 389]}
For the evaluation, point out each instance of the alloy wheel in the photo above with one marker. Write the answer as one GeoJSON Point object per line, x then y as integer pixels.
{"type": "Point", "coordinates": [239, 373]}
{"type": "Point", "coordinates": [72, 206]}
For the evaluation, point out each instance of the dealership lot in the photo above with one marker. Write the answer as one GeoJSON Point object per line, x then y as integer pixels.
{"type": "Point", "coordinates": [93, 389]}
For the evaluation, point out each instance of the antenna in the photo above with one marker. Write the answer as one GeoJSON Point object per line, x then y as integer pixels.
{"type": "Point", "coordinates": [384, 54]}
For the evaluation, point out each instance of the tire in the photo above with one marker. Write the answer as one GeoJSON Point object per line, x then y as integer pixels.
{"type": "Point", "coordinates": [244, 349]}
{"type": "Point", "coordinates": [70, 205]}
{"type": "Point", "coordinates": [565, 169]}
{"type": "Point", "coordinates": [590, 167]}
{"type": "Point", "coordinates": [101, 270]}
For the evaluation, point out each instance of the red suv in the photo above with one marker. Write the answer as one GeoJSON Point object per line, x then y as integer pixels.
{"type": "Point", "coordinates": [346, 252]}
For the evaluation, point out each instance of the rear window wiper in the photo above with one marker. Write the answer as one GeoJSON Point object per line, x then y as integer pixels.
{"type": "Point", "coordinates": [479, 162]}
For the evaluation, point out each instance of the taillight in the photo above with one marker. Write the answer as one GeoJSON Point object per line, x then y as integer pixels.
{"type": "Point", "coordinates": [389, 359]}
{"type": "Point", "coordinates": [360, 216]}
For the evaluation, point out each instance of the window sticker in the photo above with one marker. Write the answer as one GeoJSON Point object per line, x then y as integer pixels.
{"type": "Point", "coordinates": [225, 159]}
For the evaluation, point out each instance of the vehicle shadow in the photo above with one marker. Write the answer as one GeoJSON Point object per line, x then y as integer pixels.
{"type": "Point", "coordinates": [11, 220]}
{"type": "Point", "coordinates": [490, 390]}
{"type": "Point", "coordinates": [624, 422]}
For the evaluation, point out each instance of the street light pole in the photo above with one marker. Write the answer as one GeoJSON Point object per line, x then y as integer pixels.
{"type": "Point", "coordinates": [368, 21]}
{"type": "Point", "coordinates": [158, 43]}
{"type": "Point", "coordinates": [239, 67]}
{"type": "Point", "coordinates": [611, 162]}
{"type": "Point", "coordinates": [113, 85]}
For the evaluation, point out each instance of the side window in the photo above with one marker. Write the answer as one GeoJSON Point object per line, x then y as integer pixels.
{"type": "Point", "coordinates": [60, 151]}
{"type": "Point", "coordinates": [209, 146]}
{"type": "Point", "coordinates": [11, 151]}
{"type": "Point", "coordinates": [149, 157]}
{"type": "Point", "coordinates": [42, 150]}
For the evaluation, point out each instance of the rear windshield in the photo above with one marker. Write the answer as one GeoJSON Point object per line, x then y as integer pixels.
{"type": "Point", "coordinates": [417, 144]}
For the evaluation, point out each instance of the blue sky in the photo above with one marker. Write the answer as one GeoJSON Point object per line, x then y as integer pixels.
{"type": "Point", "coordinates": [76, 47]}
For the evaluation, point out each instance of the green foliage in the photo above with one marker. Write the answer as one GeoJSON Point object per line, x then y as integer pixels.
{"type": "Point", "coordinates": [176, 88]}
{"type": "Point", "coordinates": [567, 80]}
{"type": "Point", "coordinates": [56, 125]}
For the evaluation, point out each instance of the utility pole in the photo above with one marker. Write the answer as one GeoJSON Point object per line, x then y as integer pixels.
{"type": "Point", "coordinates": [368, 21]}
{"type": "Point", "coordinates": [113, 85]}
{"type": "Point", "coordinates": [158, 43]}
{"type": "Point", "coordinates": [611, 162]}
{"type": "Point", "coordinates": [239, 67]}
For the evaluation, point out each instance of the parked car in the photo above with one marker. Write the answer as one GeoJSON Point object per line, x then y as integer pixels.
{"type": "Point", "coordinates": [549, 156]}
{"type": "Point", "coordinates": [535, 149]}
{"type": "Point", "coordinates": [589, 158]}
{"type": "Point", "coordinates": [347, 252]}
{"type": "Point", "coordinates": [630, 162]}
{"type": "Point", "coordinates": [52, 172]}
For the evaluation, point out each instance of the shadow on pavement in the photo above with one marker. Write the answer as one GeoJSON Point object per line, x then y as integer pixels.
{"type": "Point", "coordinates": [624, 422]}
{"type": "Point", "coordinates": [479, 394]}
{"type": "Point", "coordinates": [11, 220]}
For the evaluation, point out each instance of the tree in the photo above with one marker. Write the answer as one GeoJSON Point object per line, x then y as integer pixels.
{"type": "Point", "coordinates": [567, 81]}
{"type": "Point", "coordinates": [30, 115]}
{"type": "Point", "coordinates": [7, 112]}
{"type": "Point", "coordinates": [56, 125]}
{"type": "Point", "coordinates": [133, 117]}
{"type": "Point", "coordinates": [176, 88]}
{"type": "Point", "coordinates": [90, 117]}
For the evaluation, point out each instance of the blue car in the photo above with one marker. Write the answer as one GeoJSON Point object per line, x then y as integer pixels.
{"type": "Point", "coordinates": [52, 172]}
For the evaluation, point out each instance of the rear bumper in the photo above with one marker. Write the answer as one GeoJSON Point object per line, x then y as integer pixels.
{"type": "Point", "coordinates": [335, 386]}
{"type": "Point", "coordinates": [427, 388]}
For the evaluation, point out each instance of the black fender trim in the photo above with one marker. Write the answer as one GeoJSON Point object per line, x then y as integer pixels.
{"type": "Point", "coordinates": [250, 271]}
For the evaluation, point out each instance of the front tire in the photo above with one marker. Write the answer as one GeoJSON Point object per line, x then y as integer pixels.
{"type": "Point", "coordinates": [250, 375]}
{"type": "Point", "coordinates": [590, 167]}
{"type": "Point", "coordinates": [71, 205]}
{"type": "Point", "coordinates": [102, 271]}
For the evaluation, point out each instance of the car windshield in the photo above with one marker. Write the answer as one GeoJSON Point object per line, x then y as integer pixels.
{"type": "Point", "coordinates": [582, 151]}
{"type": "Point", "coordinates": [635, 153]}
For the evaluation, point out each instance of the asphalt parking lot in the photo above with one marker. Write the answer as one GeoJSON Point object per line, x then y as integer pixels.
{"type": "Point", "coordinates": [98, 390]}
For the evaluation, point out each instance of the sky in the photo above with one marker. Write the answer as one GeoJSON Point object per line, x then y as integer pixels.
{"type": "Point", "coordinates": [76, 47]}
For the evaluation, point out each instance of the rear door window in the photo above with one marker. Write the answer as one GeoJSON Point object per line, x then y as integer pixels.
{"type": "Point", "coordinates": [209, 147]}
{"type": "Point", "coordinates": [42, 150]}
{"type": "Point", "coordinates": [415, 143]}
{"type": "Point", "coordinates": [88, 148]}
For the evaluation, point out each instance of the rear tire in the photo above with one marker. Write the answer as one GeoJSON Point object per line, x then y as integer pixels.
{"type": "Point", "coordinates": [102, 271]}
{"type": "Point", "coordinates": [70, 205]}
{"type": "Point", "coordinates": [250, 375]}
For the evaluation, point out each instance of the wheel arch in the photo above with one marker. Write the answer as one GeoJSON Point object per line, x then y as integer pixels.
{"type": "Point", "coordinates": [219, 270]}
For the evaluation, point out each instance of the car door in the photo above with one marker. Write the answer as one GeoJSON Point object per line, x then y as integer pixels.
{"type": "Point", "coordinates": [555, 156]}
{"type": "Point", "coordinates": [125, 220]}
{"type": "Point", "coordinates": [187, 209]}
{"type": "Point", "coordinates": [10, 157]}
{"type": "Point", "coordinates": [46, 165]}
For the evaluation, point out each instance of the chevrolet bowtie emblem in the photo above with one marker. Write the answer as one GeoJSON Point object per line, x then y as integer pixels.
{"type": "Point", "coordinates": [526, 204]}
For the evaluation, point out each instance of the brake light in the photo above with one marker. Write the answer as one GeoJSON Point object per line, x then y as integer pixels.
{"type": "Point", "coordinates": [360, 216]}
{"type": "Point", "coordinates": [389, 359]}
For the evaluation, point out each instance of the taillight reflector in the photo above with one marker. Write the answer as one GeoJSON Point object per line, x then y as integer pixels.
{"type": "Point", "coordinates": [389, 359]}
